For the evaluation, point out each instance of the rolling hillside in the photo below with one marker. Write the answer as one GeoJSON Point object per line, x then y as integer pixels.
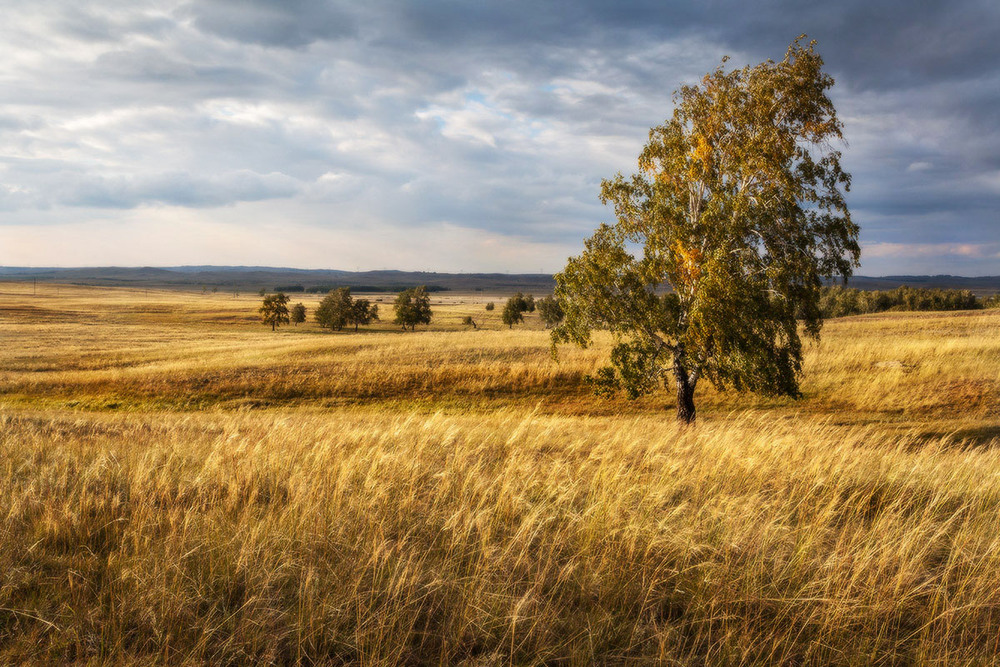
{"type": "Point", "coordinates": [253, 278]}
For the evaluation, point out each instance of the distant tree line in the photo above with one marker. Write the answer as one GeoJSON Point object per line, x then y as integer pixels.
{"type": "Point", "coordinates": [837, 301]}
{"type": "Point", "coordinates": [412, 306]}
{"type": "Point", "coordinates": [339, 309]}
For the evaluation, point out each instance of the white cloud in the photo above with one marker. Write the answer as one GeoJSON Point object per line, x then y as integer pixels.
{"type": "Point", "coordinates": [475, 121]}
{"type": "Point", "coordinates": [933, 250]}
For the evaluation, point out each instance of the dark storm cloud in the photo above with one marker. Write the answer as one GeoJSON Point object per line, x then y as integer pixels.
{"type": "Point", "coordinates": [180, 189]}
{"type": "Point", "coordinates": [282, 23]}
{"type": "Point", "coordinates": [495, 118]}
{"type": "Point", "coordinates": [156, 67]}
{"type": "Point", "coordinates": [106, 24]}
{"type": "Point", "coordinates": [885, 43]}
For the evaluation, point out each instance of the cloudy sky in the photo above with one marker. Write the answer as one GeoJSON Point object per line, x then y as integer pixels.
{"type": "Point", "coordinates": [454, 135]}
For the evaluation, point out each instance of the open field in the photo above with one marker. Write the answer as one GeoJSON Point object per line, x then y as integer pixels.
{"type": "Point", "coordinates": [180, 484]}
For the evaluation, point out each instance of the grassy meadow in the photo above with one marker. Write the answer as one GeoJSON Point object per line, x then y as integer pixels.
{"type": "Point", "coordinates": [180, 484]}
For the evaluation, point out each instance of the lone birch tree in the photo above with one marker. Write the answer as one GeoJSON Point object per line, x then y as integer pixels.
{"type": "Point", "coordinates": [722, 240]}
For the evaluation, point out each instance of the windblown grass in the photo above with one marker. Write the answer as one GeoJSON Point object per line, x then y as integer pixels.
{"type": "Point", "coordinates": [386, 539]}
{"type": "Point", "coordinates": [427, 521]}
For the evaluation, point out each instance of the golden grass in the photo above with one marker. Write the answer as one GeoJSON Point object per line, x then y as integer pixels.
{"type": "Point", "coordinates": [455, 496]}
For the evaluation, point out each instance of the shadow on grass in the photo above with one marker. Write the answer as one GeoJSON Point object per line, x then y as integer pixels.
{"type": "Point", "coordinates": [982, 436]}
{"type": "Point", "coordinates": [979, 436]}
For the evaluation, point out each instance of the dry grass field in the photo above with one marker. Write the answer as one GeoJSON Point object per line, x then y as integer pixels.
{"type": "Point", "coordinates": [179, 484]}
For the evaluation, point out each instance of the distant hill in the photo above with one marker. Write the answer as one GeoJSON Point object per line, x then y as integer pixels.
{"type": "Point", "coordinates": [253, 278]}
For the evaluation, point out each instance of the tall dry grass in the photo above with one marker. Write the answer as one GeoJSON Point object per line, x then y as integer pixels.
{"type": "Point", "coordinates": [174, 487]}
{"type": "Point", "coordinates": [388, 539]}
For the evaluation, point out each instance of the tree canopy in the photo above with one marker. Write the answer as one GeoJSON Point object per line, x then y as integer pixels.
{"type": "Point", "coordinates": [299, 313]}
{"type": "Point", "coordinates": [335, 310]}
{"type": "Point", "coordinates": [339, 309]}
{"type": "Point", "coordinates": [274, 310]}
{"type": "Point", "coordinates": [515, 308]}
{"type": "Point", "coordinates": [413, 307]}
{"type": "Point", "coordinates": [722, 239]}
{"type": "Point", "coordinates": [363, 312]}
{"type": "Point", "coordinates": [550, 311]}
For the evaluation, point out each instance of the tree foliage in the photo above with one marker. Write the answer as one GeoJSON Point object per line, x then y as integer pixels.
{"type": "Point", "coordinates": [722, 239]}
{"type": "Point", "coordinates": [298, 313]}
{"type": "Point", "coordinates": [515, 308]}
{"type": "Point", "coordinates": [550, 310]}
{"type": "Point", "coordinates": [336, 309]}
{"type": "Point", "coordinates": [413, 307]}
{"type": "Point", "coordinates": [363, 312]}
{"type": "Point", "coordinates": [274, 310]}
{"type": "Point", "coordinates": [339, 309]}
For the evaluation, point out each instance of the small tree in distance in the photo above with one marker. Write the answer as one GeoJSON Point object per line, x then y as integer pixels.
{"type": "Point", "coordinates": [550, 311]}
{"type": "Point", "coordinates": [363, 312]}
{"type": "Point", "coordinates": [336, 309]}
{"type": "Point", "coordinates": [490, 306]}
{"type": "Point", "coordinates": [515, 308]}
{"type": "Point", "coordinates": [413, 307]}
{"type": "Point", "coordinates": [298, 314]}
{"type": "Point", "coordinates": [740, 214]}
{"type": "Point", "coordinates": [339, 309]}
{"type": "Point", "coordinates": [274, 310]}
